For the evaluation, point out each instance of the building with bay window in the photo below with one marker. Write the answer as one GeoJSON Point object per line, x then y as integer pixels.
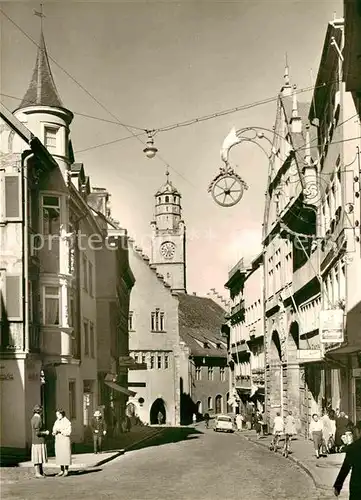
{"type": "Point", "coordinates": [336, 119]}
{"type": "Point", "coordinates": [51, 238]}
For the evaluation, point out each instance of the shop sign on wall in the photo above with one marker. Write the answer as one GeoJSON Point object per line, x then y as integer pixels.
{"type": "Point", "coordinates": [5, 375]}
{"type": "Point", "coordinates": [332, 326]}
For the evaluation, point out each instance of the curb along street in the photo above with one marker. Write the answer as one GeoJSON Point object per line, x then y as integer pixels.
{"type": "Point", "coordinates": [111, 455]}
{"type": "Point", "coordinates": [298, 462]}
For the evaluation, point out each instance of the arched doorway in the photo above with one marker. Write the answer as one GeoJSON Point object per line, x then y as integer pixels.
{"type": "Point", "coordinates": [293, 343]}
{"type": "Point", "coordinates": [210, 403]}
{"type": "Point", "coordinates": [199, 407]}
{"type": "Point", "coordinates": [158, 414]}
{"type": "Point", "coordinates": [218, 404]}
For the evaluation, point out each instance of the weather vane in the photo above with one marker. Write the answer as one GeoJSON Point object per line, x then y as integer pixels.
{"type": "Point", "coordinates": [40, 13]}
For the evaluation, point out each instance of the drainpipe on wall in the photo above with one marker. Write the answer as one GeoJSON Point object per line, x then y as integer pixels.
{"type": "Point", "coordinates": [25, 158]}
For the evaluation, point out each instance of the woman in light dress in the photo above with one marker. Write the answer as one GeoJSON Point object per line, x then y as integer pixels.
{"type": "Point", "coordinates": [327, 431]}
{"type": "Point", "coordinates": [62, 433]}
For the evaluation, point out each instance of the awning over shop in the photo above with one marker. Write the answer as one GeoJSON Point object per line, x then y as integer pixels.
{"type": "Point", "coordinates": [119, 388]}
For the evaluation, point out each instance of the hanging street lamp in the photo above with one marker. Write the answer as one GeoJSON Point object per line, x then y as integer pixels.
{"type": "Point", "coordinates": [150, 150]}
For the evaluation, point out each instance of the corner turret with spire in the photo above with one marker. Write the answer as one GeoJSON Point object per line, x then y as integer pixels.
{"type": "Point", "coordinates": [42, 109]}
{"type": "Point", "coordinates": [168, 236]}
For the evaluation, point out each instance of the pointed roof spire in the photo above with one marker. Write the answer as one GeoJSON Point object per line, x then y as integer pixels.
{"type": "Point", "coordinates": [286, 75]}
{"type": "Point", "coordinates": [42, 90]}
{"type": "Point", "coordinates": [296, 120]}
{"type": "Point", "coordinates": [286, 87]}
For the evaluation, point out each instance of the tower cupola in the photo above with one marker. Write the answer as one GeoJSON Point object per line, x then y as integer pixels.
{"type": "Point", "coordinates": [168, 210]}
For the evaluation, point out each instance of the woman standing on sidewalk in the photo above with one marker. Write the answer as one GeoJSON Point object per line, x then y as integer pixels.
{"type": "Point", "coordinates": [39, 454]}
{"type": "Point", "coordinates": [316, 433]}
{"type": "Point", "coordinates": [62, 432]}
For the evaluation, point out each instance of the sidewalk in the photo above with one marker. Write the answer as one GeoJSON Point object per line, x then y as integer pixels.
{"type": "Point", "coordinates": [84, 458]}
{"type": "Point", "coordinates": [323, 471]}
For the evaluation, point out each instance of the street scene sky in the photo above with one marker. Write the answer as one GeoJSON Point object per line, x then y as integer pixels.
{"type": "Point", "coordinates": [153, 64]}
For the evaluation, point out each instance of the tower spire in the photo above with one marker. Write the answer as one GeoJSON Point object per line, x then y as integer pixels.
{"type": "Point", "coordinates": [286, 75]}
{"type": "Point", "coordinates": [296, 120]}
{"type": "Point", "coordinates": [42, 90]}
{"type": "Point", "coordinates": [294, 102]}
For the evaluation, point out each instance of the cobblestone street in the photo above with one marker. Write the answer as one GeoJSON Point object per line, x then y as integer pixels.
{"type": "Point", "coordinates": [178, 465]}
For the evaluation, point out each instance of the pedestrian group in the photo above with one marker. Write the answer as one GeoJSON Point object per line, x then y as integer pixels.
{"type": "Point", "coordinates": [61, 432]}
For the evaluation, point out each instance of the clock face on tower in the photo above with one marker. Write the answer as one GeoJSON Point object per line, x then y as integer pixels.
{"type": "Point", "coordinates": [167, 249]}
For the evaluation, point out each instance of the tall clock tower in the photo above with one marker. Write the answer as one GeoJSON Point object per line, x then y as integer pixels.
{"type": "Point", "coordinates": [169, 237]}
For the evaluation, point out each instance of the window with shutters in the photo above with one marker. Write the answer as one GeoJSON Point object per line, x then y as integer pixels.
{"type": "Point", "coordinates": [51, 307]}
{"type": "Point", "coordinates": [50, 138]}
{"type": "Point", "coordinates": [13, 302]}
{"type": "Point", "coordinates": [85, 273]}
{"type": "Point", "coordinates": [90, 277]}
{"type": "Point", "coordinates": [86, 338]}
{"type": "Point", "coordinates": [159, 362]}
{"type": "Point", "coordinates": [51, 214]}
{"type": "Point", "coordinates": [12, 197]}
{"type": "Point", "coordinates": [157, 321]}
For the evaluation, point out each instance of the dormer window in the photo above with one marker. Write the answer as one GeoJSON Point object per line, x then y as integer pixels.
{"type": "Point", "coordinates": [50, 138]}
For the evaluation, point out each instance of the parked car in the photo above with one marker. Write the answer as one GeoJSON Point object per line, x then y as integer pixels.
{"type": "Point", "coordinates": [223, 423]}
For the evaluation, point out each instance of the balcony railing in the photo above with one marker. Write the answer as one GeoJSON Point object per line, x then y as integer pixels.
{"type": "Point", "coordinates": [243, 381]}
{"type": "Point", "coordinates": [237, 308]}
{"type": "Point", "coordinates": [258, 376]}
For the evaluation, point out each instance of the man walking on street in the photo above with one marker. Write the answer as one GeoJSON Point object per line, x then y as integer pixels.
{"type": "Point", "coordinates": [99, 430]}
{"type": "Point", "coordinates": [352, 462]}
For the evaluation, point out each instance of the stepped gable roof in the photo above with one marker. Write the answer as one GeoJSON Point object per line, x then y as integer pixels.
{"type": "Point", "coordinates": [200, 319]}
{"type": "Point", "coordinates": [42, 90]}
{"type": "Point", "coordinates": [138, 250]}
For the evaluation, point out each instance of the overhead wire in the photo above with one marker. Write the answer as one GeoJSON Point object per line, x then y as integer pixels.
{"type": "Point", "coordinates": [127, 127]}
{"type": "Point", "coordinates": [165, 128]}
{"type": "Point", "coordinates": [69, 75]}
